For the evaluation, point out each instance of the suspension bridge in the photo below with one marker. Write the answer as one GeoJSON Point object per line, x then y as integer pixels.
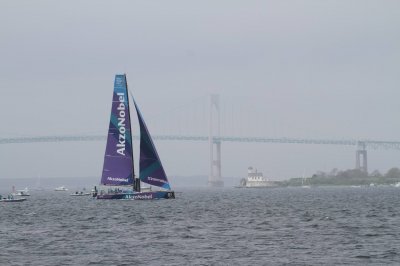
{"type": "Point", "coordinates": [215, 140]}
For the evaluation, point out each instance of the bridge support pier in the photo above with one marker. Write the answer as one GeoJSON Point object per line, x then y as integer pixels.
{"type": "Point", "coordinates": [215, 177]}
{"type": "Point", "coordinates": [361, 157]}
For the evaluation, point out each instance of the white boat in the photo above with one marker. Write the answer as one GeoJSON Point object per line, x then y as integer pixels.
{"type": "Point", "coordinates": [256, 179]}
{"type": "Point", "coordinates": [62, 188]}
{"type": "Point", "coordinates": [10, 198]}
{"type": "Point", "coordinates": [83, 192]}
{"type": "Point", "coordinates": [21, 192]}
{"type": "Point", "coordinates": [305, 183]}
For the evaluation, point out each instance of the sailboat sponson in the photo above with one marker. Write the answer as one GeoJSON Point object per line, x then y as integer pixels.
{"type": "Point", "coordinates": [148, 195]}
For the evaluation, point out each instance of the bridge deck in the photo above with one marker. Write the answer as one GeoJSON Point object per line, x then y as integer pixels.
{"type": "Point", "coordinates": [373, 144]}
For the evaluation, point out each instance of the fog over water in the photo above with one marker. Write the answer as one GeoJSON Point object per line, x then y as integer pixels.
{"type": "Point", "coordinates": [300, 69]}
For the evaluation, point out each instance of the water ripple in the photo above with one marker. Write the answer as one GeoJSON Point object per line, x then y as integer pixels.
{"type": "Point", "coordinates": [322, 226]}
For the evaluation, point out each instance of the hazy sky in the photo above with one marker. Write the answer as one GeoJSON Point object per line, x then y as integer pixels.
{"type": "Point", "coordinates": [310, 69]}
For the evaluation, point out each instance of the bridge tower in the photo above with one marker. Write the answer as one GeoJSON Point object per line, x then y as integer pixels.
{"type": "Point", "coordinates": [215, 177]}
{"type": "Point", "coordinates": [361, 157]}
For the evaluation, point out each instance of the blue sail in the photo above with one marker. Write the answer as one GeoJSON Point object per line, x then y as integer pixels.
{"type": "Point", "coordinates": [151, 170]}
{"type": "Point", "coordinates": [118, 159]}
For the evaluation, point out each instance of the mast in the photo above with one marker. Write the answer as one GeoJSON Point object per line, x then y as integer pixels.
{"type": "Point", "coordinates": [130, 127]}
{"type": "Point", "coordinates": [136, 181]}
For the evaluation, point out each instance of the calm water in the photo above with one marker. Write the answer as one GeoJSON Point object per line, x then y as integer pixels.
{"type": "Point", "coordinates": [327, 226]}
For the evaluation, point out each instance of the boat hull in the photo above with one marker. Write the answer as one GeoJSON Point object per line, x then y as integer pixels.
{"type": "Point", "coordinates": [150, 195]}
{"type": "Point", "coordinates": [21, 194]}
{"type": "Point", "coordinates": [12, 200]}
{"type": "Point", "coordinates": [80, 194]}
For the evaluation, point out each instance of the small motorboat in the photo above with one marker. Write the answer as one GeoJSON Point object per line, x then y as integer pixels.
{"type": "Point", "coordinates": [21, 192]}
{"type": "Point", "coordinates": [62, 188]}
{"type": "Point", "coordinates": [10, 198]}
{"type": "Point", "coordinates": [80, 193]}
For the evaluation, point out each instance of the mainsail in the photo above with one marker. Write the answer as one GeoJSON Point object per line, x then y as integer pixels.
{"type": "Point", "coordinates": [151, 169]}
{"type": "Point", "coordinates": [118, 159]}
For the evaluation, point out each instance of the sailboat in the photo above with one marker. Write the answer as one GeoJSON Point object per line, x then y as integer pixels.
{"type": "Point", "coordinates": [304, 182]}
{"type": "Point", "coordinates": [38, 186]}
{"type": "Point", "coordinates": [118, 168]}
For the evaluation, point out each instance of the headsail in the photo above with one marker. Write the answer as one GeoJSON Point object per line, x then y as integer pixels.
{"type": "Point", "coordinates": [118, 159]}
{"type": "Point", "coordinates": [151, 169]}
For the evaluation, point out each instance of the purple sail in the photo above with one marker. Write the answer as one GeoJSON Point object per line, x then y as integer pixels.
{"type": "Point", "coordinates": [151, 169]}
{"type": "Point", "coordinates": [118, 159]}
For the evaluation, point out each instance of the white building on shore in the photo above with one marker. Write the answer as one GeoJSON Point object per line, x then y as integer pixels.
{"type": "Point", "coordinates": [256, 179]}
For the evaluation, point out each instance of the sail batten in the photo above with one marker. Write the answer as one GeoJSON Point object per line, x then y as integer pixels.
{"type": "Point", "coordinates": [118, 159]}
